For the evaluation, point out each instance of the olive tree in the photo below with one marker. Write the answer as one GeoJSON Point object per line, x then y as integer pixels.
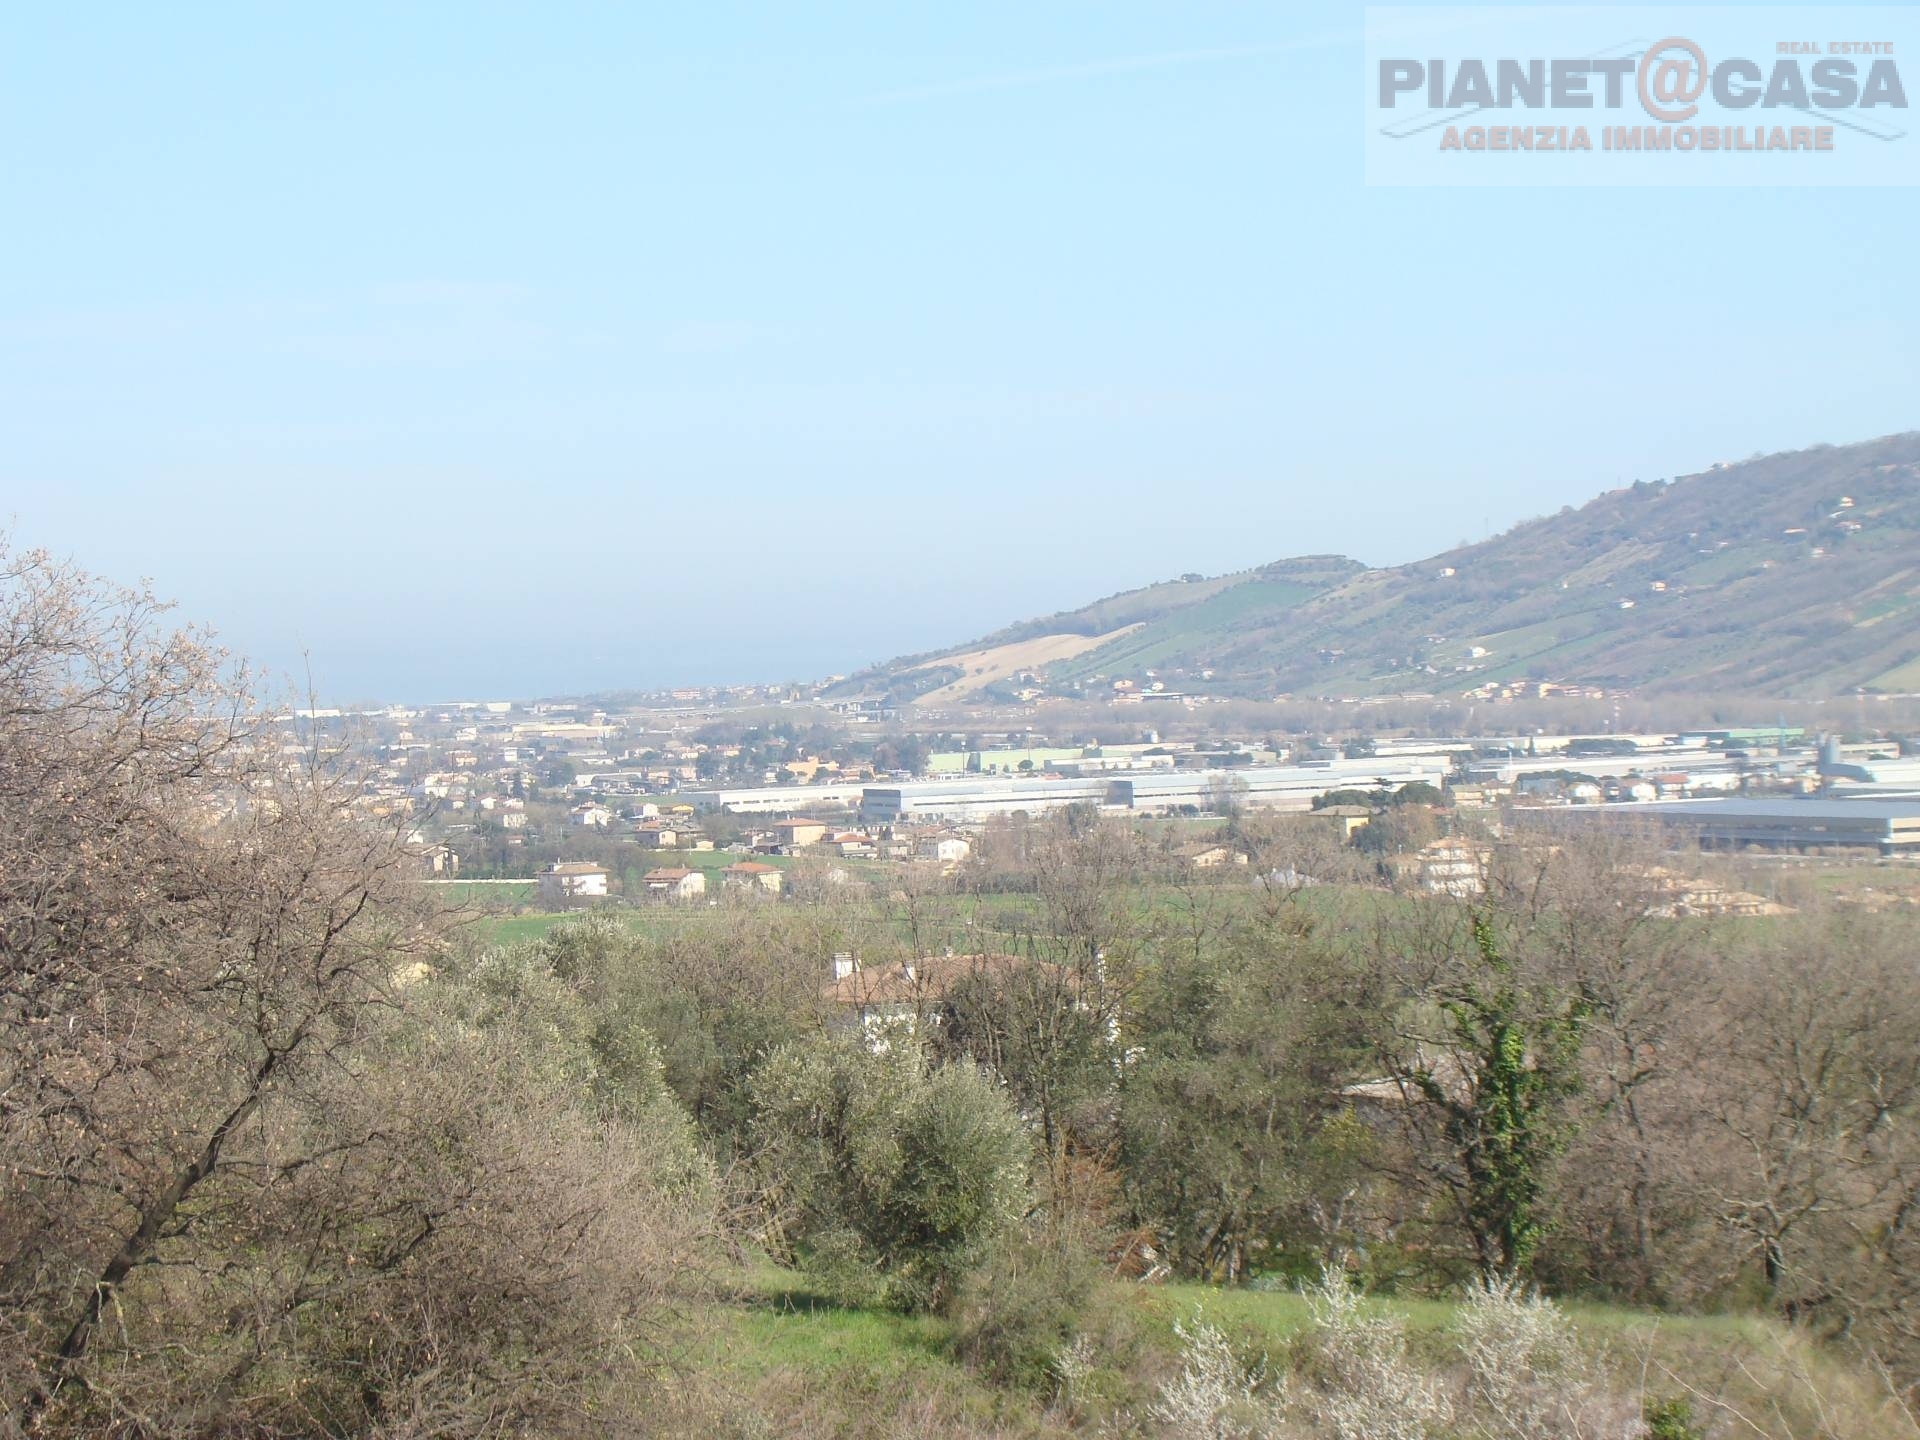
{"type": "Point", "coordinates": [877, 1164]}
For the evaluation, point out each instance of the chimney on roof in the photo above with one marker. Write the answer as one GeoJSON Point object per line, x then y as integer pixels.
{"type": "Point", "coordinates": [843, 965]}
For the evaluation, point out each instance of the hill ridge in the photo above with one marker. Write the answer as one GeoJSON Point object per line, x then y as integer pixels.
{"type": "Point", "coordinates": [1795, 574]}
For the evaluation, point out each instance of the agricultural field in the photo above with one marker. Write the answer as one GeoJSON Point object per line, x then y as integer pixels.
{"type": "Point", "coordinates": [981, 668]}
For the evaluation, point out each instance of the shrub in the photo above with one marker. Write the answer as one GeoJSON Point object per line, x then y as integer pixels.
{"type": "Point", "coordinates": [1671, 1420]}
{"type": "Point", "coordinates": [873, 1160]}
{"type": "Point", "coordinates": [1024, 1311]}
{"type": "Point", "coordinates": [1519, 1352]}
{"type": "Point", "coordinates": [1365, 1388]}
{"type": "Point", "coordinates": [1214, 1396]}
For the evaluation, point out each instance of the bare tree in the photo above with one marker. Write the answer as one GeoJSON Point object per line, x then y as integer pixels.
{"type": "Point", "coordinates": [243, 1174]}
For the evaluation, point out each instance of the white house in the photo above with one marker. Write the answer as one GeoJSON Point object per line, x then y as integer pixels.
{"type": "Point", "coordinates": [947, 849]}
{"type": "Point", "coordinates": [571, 882]}
{"type": "Point", "coordinates": [1453, 867]}
{"type": "Point", "coordinates": [673, 884]}
{"type": "Point", "coordinates": [752, 875]}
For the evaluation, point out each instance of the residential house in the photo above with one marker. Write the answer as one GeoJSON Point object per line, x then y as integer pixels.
{"type": "Point", "coordinates": [947, 849]}
{"type": "Point", "coordinates": [1211, 857]}
{"type": "Point", "coordinates": [1453, 866]}
{"type": "Point", "coordinates": [1346, 820]}
{"type": "Point", "coordinates": [439, 860]}
{"type": "Point", "coordinates": [751, 875]}
{"type": "Point", "coordinates": [571, 882]}
{"type": "Point", "coordinates": [799, 832]}
{"type": "Point", "coordinates": [901, 996]}
{"type": "Point", "coordinates": [673, 884]}
{"type": "Point", "coordinates": [1681, 896]}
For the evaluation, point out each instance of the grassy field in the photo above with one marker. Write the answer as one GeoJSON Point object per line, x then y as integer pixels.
{"type": "Point", "coordinates": [496, 929]}
{"type": "Point", "coordinates": [484, 894]}
{"type": "Point", "coordinates": [1183, 629]}
{"type": "Point", "coordinates": [779, 1349]}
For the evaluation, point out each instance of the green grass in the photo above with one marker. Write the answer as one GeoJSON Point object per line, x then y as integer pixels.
{"type": "Point", "coordinates": [512, 929]}
{"type": "Point", "coordinates": [487, 895]}
{"type": "Point", "coordinates": [826, 1368]}
{"type": "Point", "coordinates": [1190, 628]}
{"type": "Point", "coordinates": [780, 1321]}
{"type": "Point", "coordinates": [1902, 678]}
{"type": "Point", "coordinates": [1262, 1318]}
{"type": "Point", "coordinates": [1734, 563]}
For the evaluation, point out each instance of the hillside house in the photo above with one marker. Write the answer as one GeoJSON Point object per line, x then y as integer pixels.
{"type": "Point", "coordinates": [753, 876]}
{"type": "Point", "coordinates": [798, 832]}
{"type": "Point", "coordinates": [439, 860]}
{"type": "Point", "coordinates": [673, 884]}
{"type": "Point", "coordinates": [1345, 819]}
{"type": "Point", "coordinates": [901, 996]}
{"type": "Point", "coordinates": [1210, 857]}
{"type": "Point", "coordinates": [572, 882]}
{"type": "Point", "coordinates": [947, 849]}
{"type": "Point", "coordinates": [1681, 896]}
{"type": "Point", "coordinates": [1452, 866]}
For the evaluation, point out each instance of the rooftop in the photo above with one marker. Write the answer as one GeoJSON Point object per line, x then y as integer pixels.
{"type": "Point", "coordinates": [932, 977]}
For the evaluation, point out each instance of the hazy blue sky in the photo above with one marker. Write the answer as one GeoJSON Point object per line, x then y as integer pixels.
{"type": "Point", "coordinates": [510, 348]}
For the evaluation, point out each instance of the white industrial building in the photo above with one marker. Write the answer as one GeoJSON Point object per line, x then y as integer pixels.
{"type": "Point", "coordinates": [1284, 787]}
{"type": "Point", "coordinates": [773, 799]}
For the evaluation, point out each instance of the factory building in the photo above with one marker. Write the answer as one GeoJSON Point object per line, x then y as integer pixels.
{"type": "Point", "coordinates": [772, 799]}
{"type": "Point", "coordinates": [1287, 787]}
{"type": "Point", "coordinates": [1890, 827]}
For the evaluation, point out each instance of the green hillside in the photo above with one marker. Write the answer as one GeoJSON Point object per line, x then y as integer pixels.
{"type": "Point", "coordinates": [1791, 575]}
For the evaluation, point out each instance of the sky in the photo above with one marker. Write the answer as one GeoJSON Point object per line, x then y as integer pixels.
{"type": "Point", "coordinates": [446, 351]}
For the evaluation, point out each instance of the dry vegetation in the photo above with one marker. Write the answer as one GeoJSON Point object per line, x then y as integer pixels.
{"type": "Point", "coordinates": [981, 668]}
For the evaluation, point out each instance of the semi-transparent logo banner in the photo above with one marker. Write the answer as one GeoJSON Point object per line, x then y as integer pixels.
{"type": "Point", "coordinates": [1642, 95]}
